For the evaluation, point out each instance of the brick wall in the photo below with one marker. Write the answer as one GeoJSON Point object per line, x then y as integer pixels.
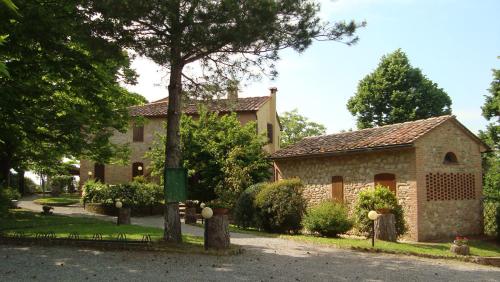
{"type": "Point", "coordinates": [447, 218]}
{"type": "Point", "coordinates": [358, 171]}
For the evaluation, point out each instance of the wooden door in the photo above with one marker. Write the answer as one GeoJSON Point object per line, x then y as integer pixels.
{"type": "Point", "coordinates": [387, 180]}
{"type": "Point", "coordinates": [338, 189]}
{"type": "Point", "coordinates": [99, 172]}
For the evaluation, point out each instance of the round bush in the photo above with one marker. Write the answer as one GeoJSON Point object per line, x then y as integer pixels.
{"type": "Point", "coordinates": [245, 212]}
{"type": "Point", "coordinates": [372, 199]}
{"type": "Point", "coordinates": [280, 206]}
{"type": "Point", "coordinates": [328, 219]}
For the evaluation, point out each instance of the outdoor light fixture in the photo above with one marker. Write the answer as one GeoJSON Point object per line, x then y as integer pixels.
{"type": "Point", "coordinates": [206, 213]}
{"type": "Point", "coordinates": [139, 168]}
{"type": "Point", "coordinates": [90, 173]}
{"type": "Point", "coordinates": [118, 205]}
{"type": "Point", "coordinates": [373, 215]}
{"type": "Point", "coordinates": [202, 205]}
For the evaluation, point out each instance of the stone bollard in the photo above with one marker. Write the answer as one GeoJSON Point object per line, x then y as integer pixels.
{"type": "Point", "coordinates": [217, 231]}
{"type": "Point", "coordinates": [462, 250]}
{"type": "Point", "coordinates": [385, 227]}
{"type": "Point", "coordinates": [124, 216]}
{"type": "Point", "coordinates": [190, 215]}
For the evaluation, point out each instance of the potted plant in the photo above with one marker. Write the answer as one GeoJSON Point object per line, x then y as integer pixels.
{"type": "Point", "coordinates": [460, 247]}
{"type": "Point", "coordinates": [219, 206]}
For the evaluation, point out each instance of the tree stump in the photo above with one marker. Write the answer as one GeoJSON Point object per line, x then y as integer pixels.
{"type": "Point", "coordinates": [124, 216]}
{"type": "Point", "coordinates": [462, 250]}
{"type": "Point", "coordinates": [385, 227]}
{"type": "Point", "coordinates": [190, 215]}
{"type": "Point", "coordinates": [217, 232]}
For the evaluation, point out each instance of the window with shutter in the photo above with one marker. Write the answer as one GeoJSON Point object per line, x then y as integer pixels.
{"type": "Point", "coordinates": [270, 133]}
{"type": "Point", "coordinates": [137, 169]}
{"type": "Point", "coordinates": [99, 172]}
{"type": "Point", "coordinates": [338, 189]}
{"type": "Point", "coordinates": [387, 180]}
{"type": "Point", "coordinates": [138, 133]}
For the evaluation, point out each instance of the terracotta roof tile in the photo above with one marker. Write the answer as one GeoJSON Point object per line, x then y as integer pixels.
{"type": "Point", "coordinates": [399, 134]}
{"type": "Point", "coordinates": [159, 108]}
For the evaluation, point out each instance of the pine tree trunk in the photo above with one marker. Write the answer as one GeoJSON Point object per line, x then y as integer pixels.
{"type": "Point", "coordinates": [172, 232]}
{"type": "Point", "coordinates": [385, 227]}
{"type": "Point", "coordinates": [217, 232]}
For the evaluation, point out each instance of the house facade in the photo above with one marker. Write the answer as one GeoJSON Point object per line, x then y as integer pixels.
{"type": "Point", "coordinates": [433, 166]}
{"type": "Point", "coordinates": [140, 138]}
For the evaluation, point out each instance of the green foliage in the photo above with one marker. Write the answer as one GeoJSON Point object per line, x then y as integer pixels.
{"type": "Point", "coordinates": [295, 127]}
{"type": "Point", "coordinates": [63, 95]}
{"type": "Point", "coordinates": [6, 196]}
{"type": "Point", "coordinates": [245, 212]}
{"type": "Point", "coordinates": [328, 219]}
{"type": "Point", "coordinates": [397, 92]}
{"type": "Point", "coordinates": [57, 201]}
{"type": "Point", "coordinates": [378, 198]}
{"type": "Point", "coordinates": [491, 136]}
{"type": "Point", "coordinates": [281, 206]}
{"type": "Point", "coordinates": [222, 156]}
{"type": "Point", "coordinates": [60, 183]}
{"type": "Point", "coordinates": [130, 194]}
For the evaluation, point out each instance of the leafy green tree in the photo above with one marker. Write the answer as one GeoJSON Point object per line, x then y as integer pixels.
{"type": "Point", "coordinates": [62, 96]}
{"type": "Point", "coordinates": [3, 37]}
{"type": "Point", "coordinates": [226, 40]}
{"type": "Point", "coordinates": [397, 92]}
{"type": "Point", "coordinates": [222, 156]}
{"type": "Point", "coordinates": [295, 127]}
{"type": "Point", "coordinates": [491, 136]}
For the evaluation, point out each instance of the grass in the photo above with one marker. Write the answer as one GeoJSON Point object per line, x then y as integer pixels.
{"type": "Point", "coordinates": [57, 201]}
{"type": "Point", "coordinates": [477, 247]}
{"type": "Point", "coordinates": [31, 223]}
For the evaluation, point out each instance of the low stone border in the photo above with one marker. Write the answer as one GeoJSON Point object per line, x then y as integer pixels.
{"type": "Point", "coordinates": [113, 245]}
{"type": "Point", "coordinates": [492, 261]}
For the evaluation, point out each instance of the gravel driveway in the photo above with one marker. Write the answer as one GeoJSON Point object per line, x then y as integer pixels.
{"type": "Point", "coordinates": [266, 259]}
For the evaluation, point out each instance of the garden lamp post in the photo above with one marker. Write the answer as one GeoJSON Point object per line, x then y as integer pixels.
{"type": "Point", "coordinates": [373, 215]}
{"type": "Point", "coordinates": [118, 205]}
{"type": "Point", "coordinates": [206, 213]}
{"type": "Point", "coordinates": [90, 174]}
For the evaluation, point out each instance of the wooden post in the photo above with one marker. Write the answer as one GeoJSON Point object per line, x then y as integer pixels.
{"type": "Point", "coordinates": [385, 227]}
{"type": "Point", "coordinates": [217, 232]}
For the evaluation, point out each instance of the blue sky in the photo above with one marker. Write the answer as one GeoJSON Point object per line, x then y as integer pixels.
{"type": "Point", "coordinates": [455, 43]}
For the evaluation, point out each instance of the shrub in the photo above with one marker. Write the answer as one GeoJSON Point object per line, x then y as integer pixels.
{"type": "Point", "coordinates": [328, 219]}
{"type": "Point", "coordinates": [245, 212]}
{"type": "Point", "coordinates": [372, 199]}
{"type": "Point", "coordinates": [7, 194]}
{"type": "Point", "coordinates": [135, 193]}
{"type": "Point", "coordinates": [280, 206]}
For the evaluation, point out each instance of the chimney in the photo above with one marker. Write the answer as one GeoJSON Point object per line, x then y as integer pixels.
{"type": "Point", "coordinates": [273, 91]}
{"type": "Point", "coordinates": [232, 90]}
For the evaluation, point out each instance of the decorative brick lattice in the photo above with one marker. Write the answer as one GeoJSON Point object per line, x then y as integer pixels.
{"type": "Point", "coordinates": [450, 186]}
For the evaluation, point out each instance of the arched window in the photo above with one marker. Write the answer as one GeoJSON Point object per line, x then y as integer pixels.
{"type": "Point", "coordinates": [137, 169]}
{"type": "Point", "coordinates": [387, 180]}
{"type": "Point", "coordinates": [450, 158]}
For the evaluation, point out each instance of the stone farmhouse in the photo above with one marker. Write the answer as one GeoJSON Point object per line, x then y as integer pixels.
{"type": "Point", "coordinates": [432, 165]}
{"type": "Point", "coordinates": [261, 110]}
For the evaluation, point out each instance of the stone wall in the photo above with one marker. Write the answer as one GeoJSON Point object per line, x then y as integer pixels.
{"type": "Point", "coordinates": [438, 219]}
{"type": "Point", "coordinates": [358, 171]}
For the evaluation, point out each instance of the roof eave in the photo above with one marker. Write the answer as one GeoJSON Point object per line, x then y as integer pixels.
{"type": "Point", "coordinates": [336, 153]}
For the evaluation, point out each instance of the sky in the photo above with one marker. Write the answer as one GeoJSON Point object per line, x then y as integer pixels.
{"type": "Point", "coordinates": [454, 43]}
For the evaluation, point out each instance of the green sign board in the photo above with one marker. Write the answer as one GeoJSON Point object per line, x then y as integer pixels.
{"type": "Point", "coordinates": [175, 184]}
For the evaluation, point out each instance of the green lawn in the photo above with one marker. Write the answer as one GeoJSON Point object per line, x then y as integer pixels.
{"type": "Point", "coordinates": [477, 248]}
{"type": "Point", "coordinates": [30, 223]}
{"type": "Point", "coordinates": [63, 200]}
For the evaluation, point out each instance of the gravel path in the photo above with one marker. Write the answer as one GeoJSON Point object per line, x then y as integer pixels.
{"type": "Point", "coordinates": [266, 259]}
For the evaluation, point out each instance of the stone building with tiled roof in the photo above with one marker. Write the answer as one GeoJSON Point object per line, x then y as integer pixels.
{"type": "Point", "coordinates": [261, 110]}
{"type": "Point", "coordinates": [432, 165]}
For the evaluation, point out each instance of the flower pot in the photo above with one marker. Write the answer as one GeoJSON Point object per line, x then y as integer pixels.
{"type": "Point", "coordinates": [462, 250]}
{"type": "Point", "coordinates": [384, 210]}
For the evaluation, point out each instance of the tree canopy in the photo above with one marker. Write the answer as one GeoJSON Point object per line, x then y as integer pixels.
{"type": "Point", "coordinates": [491, 136]}
{"type": "Point", "coordinates": [397, 92]}
{"type": "Point", "coordinates": [222, 156]}
{"type": "Point", "coordinates": [295, 127]}
{"type": "Point", "coordinates": [62, 96]}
